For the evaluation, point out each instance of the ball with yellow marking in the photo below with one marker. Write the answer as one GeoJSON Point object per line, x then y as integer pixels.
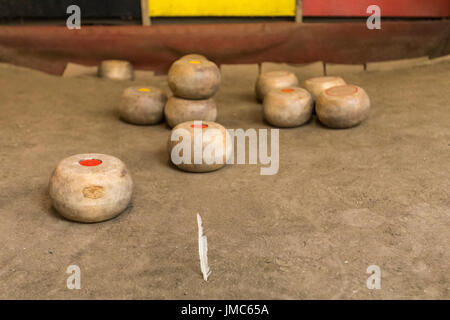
{"type": "Point", "coordinates": [194, 56]}
{"type": "Point", "coordinates": [194, 78]}
{"type": "Point", "coordinates": [90, 187]}
{"type": "Point", "coordinates": [142, 105]}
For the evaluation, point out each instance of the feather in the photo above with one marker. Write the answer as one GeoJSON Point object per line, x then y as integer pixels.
{"type": "Point", "coordinates": [203, 249]}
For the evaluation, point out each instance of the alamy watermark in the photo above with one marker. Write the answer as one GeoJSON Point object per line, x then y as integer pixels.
{"type": "Point", "coordinates": [374, 281]}
{"type": "Point", "coordinates": [74, 20]}
{"type": "Point", "coordinates": [74, 280]}
{"type": "Point", "coordinates": [374, 20]}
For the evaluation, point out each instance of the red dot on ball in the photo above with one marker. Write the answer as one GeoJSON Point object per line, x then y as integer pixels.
{"type": "Point", "coordinates": [199, 126]}
{"type": "Point", "coordinates": [91, 162]}
{"type": "Point", "coordinates": [287, 90]}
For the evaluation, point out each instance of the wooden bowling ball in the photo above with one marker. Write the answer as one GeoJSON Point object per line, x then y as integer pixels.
{"type": "Point", "coordinates": [142, 105]}
{"type": "Point", "coordinates": [274, 80]}
{"type": "Point", "coordinates": [180, 110]}
{"type": "Point", "coordinates": [90, 187]}
{"type": "Point", "coordinates": [316, 85]}
{"type": "Point", "coordinates": [199, 146]}
{"type": "Point", "coordinates": [289, 107]}
{"type": "Point", "coordinates": [194, 78]}
{"type": "Point", "coordinates": [194, 56]}
{"type": "Point", "coordinates": [116, 70]}
{"type": "Point", "coordinates": [343, 106]}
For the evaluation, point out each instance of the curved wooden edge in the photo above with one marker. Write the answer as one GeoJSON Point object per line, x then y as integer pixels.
{"type": "Point", "coordinates": [50, 48]}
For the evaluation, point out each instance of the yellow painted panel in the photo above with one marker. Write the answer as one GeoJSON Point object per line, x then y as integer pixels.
{"type": "Point", "coordinates": [225, 8]}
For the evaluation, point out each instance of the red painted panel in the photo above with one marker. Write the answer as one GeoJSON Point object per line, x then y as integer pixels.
{"type": "Point", "coordinates": [389, 8]}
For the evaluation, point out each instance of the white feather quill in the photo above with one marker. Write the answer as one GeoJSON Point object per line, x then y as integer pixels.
{"type": "Point", "coordinates": [203, 249]}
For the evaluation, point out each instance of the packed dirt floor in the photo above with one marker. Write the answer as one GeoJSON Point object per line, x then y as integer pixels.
{"type": "Point", "coordinates": [376, 194]}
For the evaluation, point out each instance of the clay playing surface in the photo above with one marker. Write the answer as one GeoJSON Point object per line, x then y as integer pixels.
{"type": "Point", "coordinates": [341, 201]}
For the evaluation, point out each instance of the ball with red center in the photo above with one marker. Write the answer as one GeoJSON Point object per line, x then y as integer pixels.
{"type": "Point", "coordinates": [90, 187]}
{"type": "Point", "coordinates": [316, 85]}
{"type": "Point", "coordinates": [199, 146]}
{"type": "Point", "coordinates": [343, 106]}
{"type": "Point", "coordinates": [290, 107]}
{"type": "Point", "coordinates": [274, 80]}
